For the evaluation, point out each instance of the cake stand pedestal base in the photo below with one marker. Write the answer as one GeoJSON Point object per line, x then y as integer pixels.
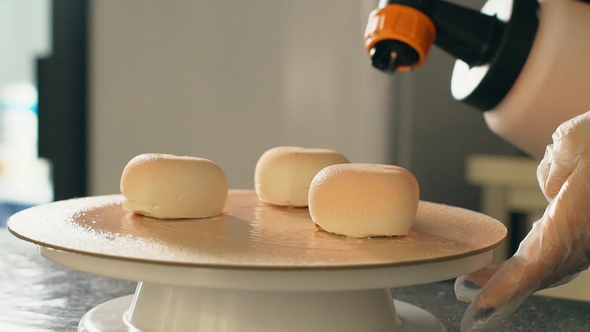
{"type": "Point", "coordinates": [156, 307]}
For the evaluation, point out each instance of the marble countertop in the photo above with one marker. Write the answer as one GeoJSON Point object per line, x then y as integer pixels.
{"type": "Point", "coordinates": [38, 295]}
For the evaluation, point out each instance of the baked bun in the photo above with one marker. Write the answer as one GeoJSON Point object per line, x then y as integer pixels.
{"type": "Point", "coordinates": [364, 200]}
{"type": "Point", "coordinates": [283, 174]}
{"type": "Point", "coordinates": [165, 186]}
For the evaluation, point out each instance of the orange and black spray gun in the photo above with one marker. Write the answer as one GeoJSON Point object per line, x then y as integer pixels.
{"type": "Point", "coordinates": [400, 33]}
{"type": "Point", "coordinates": [523, 62]}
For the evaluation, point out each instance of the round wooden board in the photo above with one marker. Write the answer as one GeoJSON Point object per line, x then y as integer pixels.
{"type": "Point", "coordinates": [249, 235]}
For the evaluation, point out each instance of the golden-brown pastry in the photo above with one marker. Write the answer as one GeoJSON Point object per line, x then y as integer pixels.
{"type": "Point", "coordinates": [364, 200]}
{"type": "Point", "coordinates": [283, 174]}
{"type": "Point", "coordinates": [166, 186]}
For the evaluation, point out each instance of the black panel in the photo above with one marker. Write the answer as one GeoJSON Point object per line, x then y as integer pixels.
{"type": "Point", "coordinates": [62, 84]}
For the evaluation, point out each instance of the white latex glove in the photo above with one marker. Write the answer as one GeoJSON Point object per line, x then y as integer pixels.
{"type": "Point", "coordinates": [557, 247]}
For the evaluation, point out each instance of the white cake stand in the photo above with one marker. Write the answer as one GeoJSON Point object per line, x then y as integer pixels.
{"type": "Point", "coordinates": [257, 267]}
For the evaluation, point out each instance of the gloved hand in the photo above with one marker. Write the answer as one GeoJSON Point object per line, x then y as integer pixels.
{"type": "Point", "coordinates": [558, 246]}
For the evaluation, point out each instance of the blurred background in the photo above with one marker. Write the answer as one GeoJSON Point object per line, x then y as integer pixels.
{"type": "Point", "coordinates": [25, 36]}
{"type": "Point", "coordinates": [226, 82]}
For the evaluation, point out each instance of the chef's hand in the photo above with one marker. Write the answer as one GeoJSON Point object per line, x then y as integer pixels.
{"type": "Point", "coordinates": [557, 247]}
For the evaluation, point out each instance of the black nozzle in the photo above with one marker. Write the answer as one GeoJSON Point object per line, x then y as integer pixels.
{"type": "Point", "coordinates": [388, 55]}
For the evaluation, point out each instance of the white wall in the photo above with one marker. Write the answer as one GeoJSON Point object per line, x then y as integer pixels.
{"type": "Point", "coordinates": [228, 80]}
